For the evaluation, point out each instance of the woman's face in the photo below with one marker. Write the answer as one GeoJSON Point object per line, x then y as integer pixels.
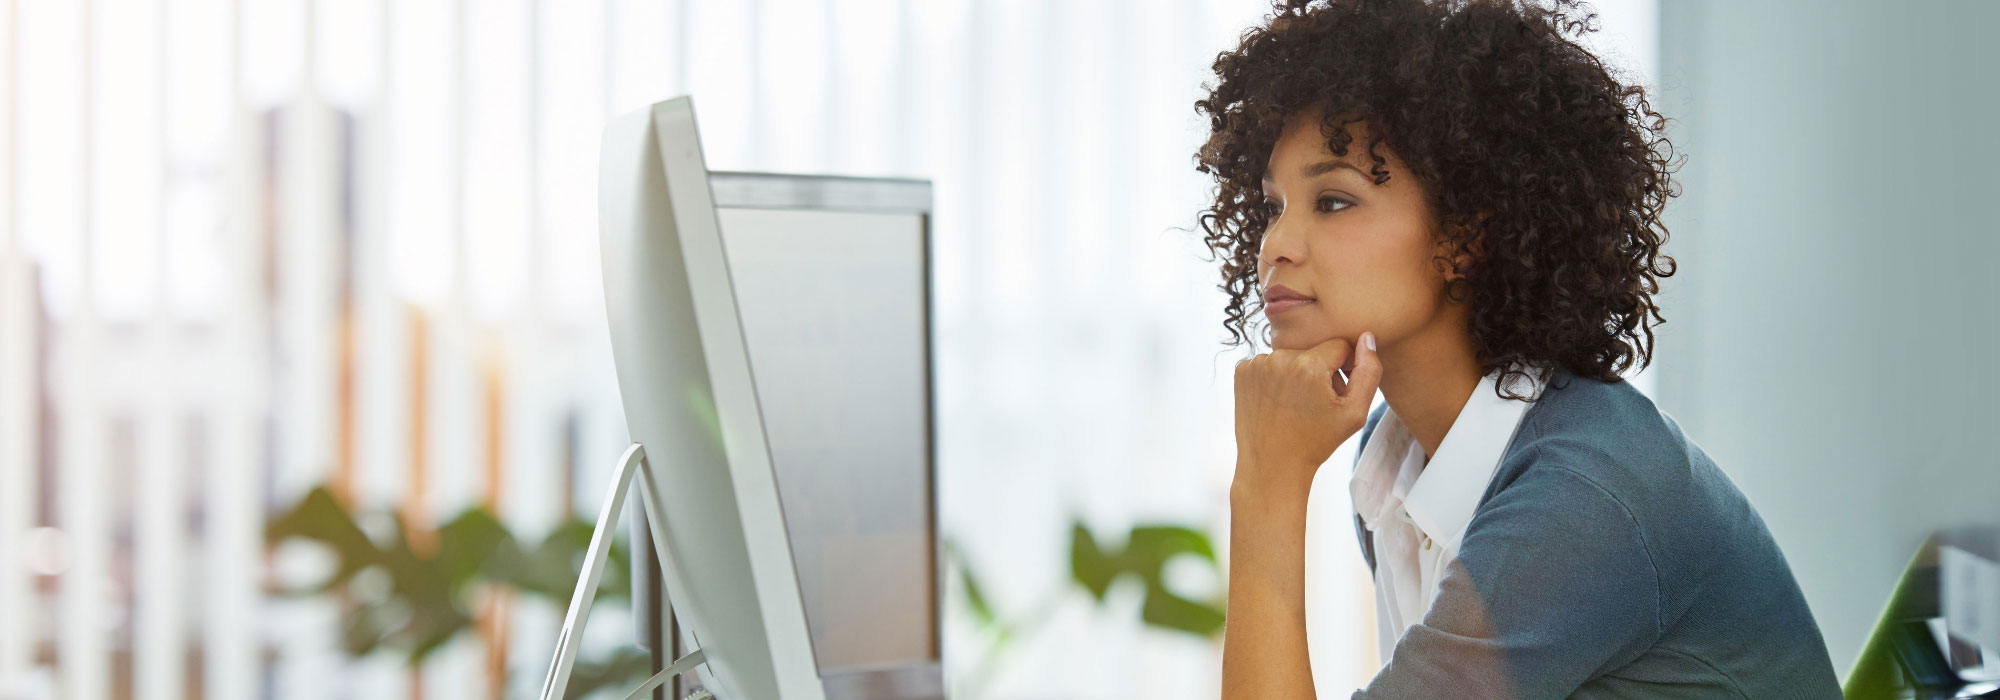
{"type": "Point", "coordinates": [1356, 255]}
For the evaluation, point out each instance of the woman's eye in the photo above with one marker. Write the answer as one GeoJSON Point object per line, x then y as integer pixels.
{"type": "Point", "coordinates": [1327, 204]}
{"type": "Point", "coordinates": [1273, 209]}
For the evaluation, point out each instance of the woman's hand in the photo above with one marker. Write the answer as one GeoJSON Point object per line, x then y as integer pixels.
{"type": "Point", "coordinates": [1293, 409]}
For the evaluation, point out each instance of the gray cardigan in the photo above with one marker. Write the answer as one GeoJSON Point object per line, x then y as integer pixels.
{"type": "Point", "coordinates": [1608, 558]}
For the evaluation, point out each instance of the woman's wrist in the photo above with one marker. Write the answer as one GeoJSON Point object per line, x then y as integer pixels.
{"type": "Point", "coordinates": [1259, 486]}
{"type": "Point", "coordinates": [1267, 524]}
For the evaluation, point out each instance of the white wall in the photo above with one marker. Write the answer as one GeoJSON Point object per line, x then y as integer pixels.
{"type": "Point", "coordinates": [1828, 337]}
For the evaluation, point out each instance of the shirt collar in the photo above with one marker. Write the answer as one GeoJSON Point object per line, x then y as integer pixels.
{"type": "Point", "coordinates": [1440, 496]}
{"type": "Point", "coordinates": [1389, 466]}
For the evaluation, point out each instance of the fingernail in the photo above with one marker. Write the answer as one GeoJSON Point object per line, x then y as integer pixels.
{"type": "Point", "coordinates": [1368, 338]}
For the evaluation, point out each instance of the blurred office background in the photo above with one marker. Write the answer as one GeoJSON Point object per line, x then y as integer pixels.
{"type": "Point", "coordinates": [1832, 332]}
{"type": "Point", "coordinates": [249, 248]}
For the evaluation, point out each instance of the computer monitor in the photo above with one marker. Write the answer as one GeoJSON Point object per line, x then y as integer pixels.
{"type": "Point", "coordinates": [771, 337]}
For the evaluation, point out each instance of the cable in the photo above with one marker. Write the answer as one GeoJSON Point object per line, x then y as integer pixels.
{"type": "Point", "coordinates": [685, 664]}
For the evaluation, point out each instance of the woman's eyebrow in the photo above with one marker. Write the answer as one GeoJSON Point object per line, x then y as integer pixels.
{"type": "Point", "coordinates": [1321, 168]}
{"type": "Point", "coordinates": [1318, 169]}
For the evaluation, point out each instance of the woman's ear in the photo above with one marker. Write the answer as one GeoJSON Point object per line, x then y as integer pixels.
{"type": "Point", "coordinates": [1474, 235]}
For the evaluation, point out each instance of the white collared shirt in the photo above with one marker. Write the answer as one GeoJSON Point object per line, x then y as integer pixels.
{"type": "Point", "coordinates": [1417, 512]}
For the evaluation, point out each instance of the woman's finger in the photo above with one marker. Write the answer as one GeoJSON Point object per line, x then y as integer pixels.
{"type": "Point", "coordinates": [1330, 354]}
{"type": "Point", "coordinates": [1367, 374]}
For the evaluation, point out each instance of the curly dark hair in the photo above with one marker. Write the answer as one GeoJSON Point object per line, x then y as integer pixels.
{"type": "Point", "coordinates": [1540, 166]}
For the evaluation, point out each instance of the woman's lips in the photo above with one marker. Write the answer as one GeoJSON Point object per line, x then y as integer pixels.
{"type": "Point", "coordinates": [1278, 306]}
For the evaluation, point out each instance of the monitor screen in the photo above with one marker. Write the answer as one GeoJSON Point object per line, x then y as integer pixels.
{"type": "Point", "coordinates": [835, 317]}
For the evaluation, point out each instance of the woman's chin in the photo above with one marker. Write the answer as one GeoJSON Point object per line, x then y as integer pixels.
{"type": "Point", "coordinates": [1281, 340]}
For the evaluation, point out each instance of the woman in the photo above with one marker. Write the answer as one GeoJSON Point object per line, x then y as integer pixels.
{"type": "Point", "coordinates": [1486, 253]}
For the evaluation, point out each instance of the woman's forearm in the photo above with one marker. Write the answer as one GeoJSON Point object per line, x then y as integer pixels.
{"type": "Point", "coordinates": [1264, 638]}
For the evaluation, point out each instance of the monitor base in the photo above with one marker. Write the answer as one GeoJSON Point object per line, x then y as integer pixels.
{"type": "Point", "coordinates": [630, 465]}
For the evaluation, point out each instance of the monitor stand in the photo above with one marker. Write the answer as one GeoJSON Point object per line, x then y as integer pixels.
{"type": "Point", "coordinates": [631, 464]}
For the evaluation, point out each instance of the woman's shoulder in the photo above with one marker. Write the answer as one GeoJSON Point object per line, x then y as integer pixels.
{"type": "Point", "coordinates": [1613, 437]}
{"type": "Point", "coordinates": [1608, 432]}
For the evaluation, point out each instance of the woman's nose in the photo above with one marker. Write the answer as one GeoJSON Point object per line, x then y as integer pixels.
{"type": "Point", "coordinates": [1281, 245]}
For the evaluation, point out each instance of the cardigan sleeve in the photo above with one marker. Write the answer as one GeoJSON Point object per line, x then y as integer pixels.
{"type": "Point", "coordinates": [1553, 585]}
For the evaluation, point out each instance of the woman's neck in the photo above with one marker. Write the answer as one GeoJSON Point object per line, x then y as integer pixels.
{"type": "Point", "coordinates": [1427, 379]}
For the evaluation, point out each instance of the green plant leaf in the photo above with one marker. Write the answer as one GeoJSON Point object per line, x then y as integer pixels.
{"type": "Point", "coordinates": [428, 598]}
{"type": "Point", "coordinates": [319, 517]}
{"type": "Point", "coordinates": [1145, 555]}
{"type": "Point", "coordinates": [975, 598]}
